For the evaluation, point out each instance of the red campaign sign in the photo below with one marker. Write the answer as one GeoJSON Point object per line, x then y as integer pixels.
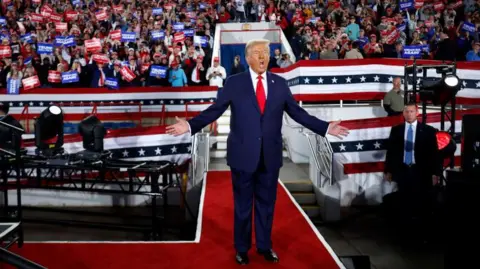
{"type": "Point", "coordinates": [61, 26]}
{"type": "Point", "coordinates": [101, 58]}
{"type": "Point", "coordinates": [7, 2]}
{"type": "Point", "coordinates": [168, 6]}
{"type": "Point", "coordinates": [178, 37]}
{"type": "Point", "coordinates": [418, 4]}
{"type": "Point", "coordinates": [438, 6]}
{"type": "Point", "coordinates": [5, 51]}
{"type": "Point", "coordinates": [54, 17]}
{"type": "Point", "coordinates": [37, 1]}
{"type": "Point", "coordinates": [34, 17]}
{"type": "Point", "coordinates": [54, 76]}
{"type": "Point", "coordinates": [31, 82]}
{"type": "Point", "coordinates": [118, 9]}
{"type": "Point", "coordinates": [93, 45]}
{"type": "Point", "coordinates": [116, 35]}
{"type": "Point", "coordinates": [101, 15]}
{"type": "Point", "coordinates": [127, 74]}
{"type": "Point", "coordinates": [71, 15]}
{"type": "Point", "coordinates": [46, 11]}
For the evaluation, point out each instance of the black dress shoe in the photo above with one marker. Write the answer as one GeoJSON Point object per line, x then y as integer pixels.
{"type": "Point", "coordinates": [242, 258]}
{"type": "Point", "coordinates": [269, 255]}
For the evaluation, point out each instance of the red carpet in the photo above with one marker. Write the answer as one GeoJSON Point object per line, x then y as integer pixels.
{"type": "Point", "coordinates": [294, 241]}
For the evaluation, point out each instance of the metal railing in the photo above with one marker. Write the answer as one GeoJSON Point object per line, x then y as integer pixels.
{"type": "Point", "coordinates": [200, 156]}
{"type": "Point", "coordinates": [322, 153]}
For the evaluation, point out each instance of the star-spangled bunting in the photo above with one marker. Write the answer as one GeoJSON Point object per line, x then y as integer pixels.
{"type": "Point", "coordinates": [145, 102]}
{"type": "Point", "coordinates": [362, 78]}
{"type": "Point", "coordinates": [153, 151]}
{"type": "Point", "coordinates": [367, 145]}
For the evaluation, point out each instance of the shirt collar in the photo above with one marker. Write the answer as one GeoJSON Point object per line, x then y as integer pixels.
{"type": "Point", "coordinates": [254, 75]}
{"type": "Point", "coordinates": [414, 124]}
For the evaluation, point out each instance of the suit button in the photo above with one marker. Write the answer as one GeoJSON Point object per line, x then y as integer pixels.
{"type": "Point", "coordinates": [259, 138]}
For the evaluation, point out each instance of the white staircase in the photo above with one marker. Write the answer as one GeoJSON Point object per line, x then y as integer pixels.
{"type": "Point", "coordinates": [219, 142]}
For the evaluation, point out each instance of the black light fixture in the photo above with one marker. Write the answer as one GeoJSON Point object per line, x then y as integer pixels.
{"type": "Point", "coordinates": [92, 131]}
{"type": "Point", "coordinates": [49, 131]}
{"type": "Point", "coordinates": [440, 91]}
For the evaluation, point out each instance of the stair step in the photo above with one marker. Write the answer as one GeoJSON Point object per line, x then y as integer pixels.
{"type": "Point", "coordinates": [305, 198]}
{"type": "Point", "coordinates": [313, 211]}
{"type": "Point", "coordinates": [295, 186]}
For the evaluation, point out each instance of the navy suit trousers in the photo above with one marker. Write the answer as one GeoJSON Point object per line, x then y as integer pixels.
{"type": "Point", "coordinates": [259, 190]}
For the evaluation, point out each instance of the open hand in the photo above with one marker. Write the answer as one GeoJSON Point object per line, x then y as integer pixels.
{"type": "Point", "coordinates": [178, 128]}
{"type": "Point", "coordinates": [337, 130]}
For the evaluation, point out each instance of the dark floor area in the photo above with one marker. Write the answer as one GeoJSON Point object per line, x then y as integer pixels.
{"type": "Point", "coordinates": [174, 226]}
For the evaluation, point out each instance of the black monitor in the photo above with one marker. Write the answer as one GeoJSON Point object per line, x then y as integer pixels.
{"type": "Point", "coordinates": [49, 129]}
{"type": "Point", "coordinates": [92, 131]}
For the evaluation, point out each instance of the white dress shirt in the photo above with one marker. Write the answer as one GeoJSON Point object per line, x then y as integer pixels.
{"type": "Point", "coordinates": [414, 127]}
{"type": "Point", "coordinates": [255, 81]}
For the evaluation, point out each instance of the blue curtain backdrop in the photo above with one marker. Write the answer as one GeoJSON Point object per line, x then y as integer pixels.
{"type": "Point", "coordinates": [228, 53]}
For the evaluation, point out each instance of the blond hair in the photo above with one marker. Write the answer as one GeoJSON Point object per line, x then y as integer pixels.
{"type": "Point", "coordinates": [255, 42]}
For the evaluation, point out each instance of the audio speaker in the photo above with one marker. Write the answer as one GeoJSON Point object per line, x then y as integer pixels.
{"type": "Point", "coordinates": [471, 144]}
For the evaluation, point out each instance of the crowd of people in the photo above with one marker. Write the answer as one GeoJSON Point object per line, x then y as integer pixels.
{"type": "Point", "coordinates": [117, 43]}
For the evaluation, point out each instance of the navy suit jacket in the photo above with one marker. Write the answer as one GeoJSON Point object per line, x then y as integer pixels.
{"type": "Point", "coordinates": [249, 129]}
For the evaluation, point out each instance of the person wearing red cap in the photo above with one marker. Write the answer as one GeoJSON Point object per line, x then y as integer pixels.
{"type": "Point", "coordinates": [258, 100]}
{"type": "Point", "coordinates": [198, 72]}
{"type": "Point", "coordinates": [216, 74]}
{"type": "Point", "coordinates": [177, 77]}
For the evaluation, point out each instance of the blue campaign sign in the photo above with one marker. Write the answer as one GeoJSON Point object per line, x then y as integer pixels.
{"type": "Point", "coordinates": [128, 37]}
{"type": "Point", "coordinates": [13, 86]}
{"type": "Point", "coordinates": [111, 83]}
{"type": "Point", "coordinates": [158, 71]}
{"type": "Point", "coordinates": [469, 27]}
{"type": "Point", "coordinates": [26, 38]}
{"type": "Point", "coordinates": [415, 51]}
{"type": "Point", "coordinates": [200, 40]}
{"type": "Point", "coordinates": [406, 4]}
{"type": "Point", "coordinates": [70, 77]}
{"type": "Point", "coordinates": [189, 32]}
{"type": "Point", "coordinates": [157, 11]}
{"type": "Point", "coordinates": [66, 41]}
{"type": "Point", "coordinates": [158, 35]}
{"type": "Point", "coordinates": [44, 48]}
{"type": "Point", "coordinates": [179, 26]}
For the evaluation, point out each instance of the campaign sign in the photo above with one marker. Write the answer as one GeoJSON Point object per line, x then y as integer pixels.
{"type": "Point", "coordinates": [44, 48]}
{"type": "Point", "coordinates": [66, 41]}
{"type": "Point", "coordinates": [200, 40]}
{"type": "Point", "coordinates": [13, 86]}
{"type": "Point", "coordinates": [406, 4]}
{"type": "Point", "coordinates": [158, 71]}
{"type": "Point", "coordinates": [179, 26]}
{"type": "Point", "coordinates": [189, 32]}
{"type": "Point", "coordinates": [26, 38]}
{"type": "Point", "coordinates": [128, 37]}
{"type": "Point", "coordinates": [157, 11]}
{"type": "Point", "coordinates": [3, 21]}
{"type": "Point", "coordinates": [415, 51]}
{"type": "Point", "coordinates": [309, 2]}
{"type": "Point", "coordinates": [469, 27]}
{"type": "Point", "coordinates": [111, 83]}
{"type": "Point", "coordinates": [157, 35]}
{"type": "Point", "coordinates": [70, 77]}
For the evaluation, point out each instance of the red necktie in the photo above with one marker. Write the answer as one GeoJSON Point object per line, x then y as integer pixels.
{"type": "Point", "coordinates": [261, 94]}
{"type": "Point", "coordinates": [198, 74]}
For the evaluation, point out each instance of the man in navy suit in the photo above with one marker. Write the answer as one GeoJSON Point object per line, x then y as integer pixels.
{"type": "Point", "coordinates": [257, 100]}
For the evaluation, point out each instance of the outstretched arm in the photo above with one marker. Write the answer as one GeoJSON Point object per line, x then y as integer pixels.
{"type": "Point", "coordinates": [207, 116]}
{"type": "Point", "coordinates": [318, 126]}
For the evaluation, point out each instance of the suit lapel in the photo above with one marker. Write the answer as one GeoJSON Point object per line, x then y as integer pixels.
{"type": "Point", "coordinates": [251, 90]}
{"type": "Point", "coordinates": [271, 92]}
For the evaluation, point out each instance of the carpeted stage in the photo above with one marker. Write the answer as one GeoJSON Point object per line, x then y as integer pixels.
{"type": "Point", "coordinates": [295, 239]}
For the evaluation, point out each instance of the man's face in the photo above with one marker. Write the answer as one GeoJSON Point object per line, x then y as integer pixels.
{"type": "Point", "coordinates": [258, 58]}
{"type": "Point", "coordinates": [397, 83]}
{"type": "Point", "coordinates": [410, 113]}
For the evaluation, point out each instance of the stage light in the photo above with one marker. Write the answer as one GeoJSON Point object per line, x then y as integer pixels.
{"type": "Point", "coordinates": [92, 131]}
{"type": "Point", "coordinates": [440, 91]}
{"type": "Point", "coordinates": [446, 144]}
{"type": "Point", "coordinates": [49, 131]}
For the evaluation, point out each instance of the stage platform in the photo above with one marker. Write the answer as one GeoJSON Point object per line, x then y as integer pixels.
{"type": "Point", "coordinates": [299, 247]}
